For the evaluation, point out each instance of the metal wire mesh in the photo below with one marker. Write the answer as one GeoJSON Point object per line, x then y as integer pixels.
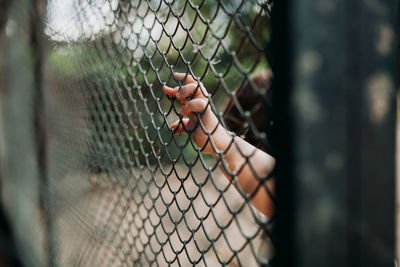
{"type": "Point", "coordinates": [124, 188]}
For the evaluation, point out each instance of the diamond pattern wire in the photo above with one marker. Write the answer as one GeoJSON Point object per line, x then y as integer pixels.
{"type": "Point", "coordinates": [137, 176]}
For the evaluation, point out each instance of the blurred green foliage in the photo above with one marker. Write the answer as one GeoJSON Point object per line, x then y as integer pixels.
{"type": "Point", "coordinates": [221, 42]}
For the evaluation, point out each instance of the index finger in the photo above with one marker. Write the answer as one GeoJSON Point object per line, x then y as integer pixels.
{"type": "Point", "coordinates": [187, 78]}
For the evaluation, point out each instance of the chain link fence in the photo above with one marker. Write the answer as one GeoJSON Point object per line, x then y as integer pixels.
{"type": "Point", "coordinates": [134, 173]}
{"type": "Point", "coordinates": [136, 133]}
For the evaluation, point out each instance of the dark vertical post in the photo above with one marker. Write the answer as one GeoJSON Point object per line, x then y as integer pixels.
{"type": "Point", "coordinates": [37, 43]}
{"type": "Point", "coordinates": [281, 134]}
{"type": "Point", "coordinates": [335, 119]}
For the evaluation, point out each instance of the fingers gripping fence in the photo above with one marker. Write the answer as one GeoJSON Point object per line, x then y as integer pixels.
{"type": "Point", "coordinates": [142, 168]}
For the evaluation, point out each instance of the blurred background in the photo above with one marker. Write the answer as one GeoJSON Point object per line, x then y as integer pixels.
{"type": "Point", "coordinates": [89, 165]}
{"type": "Point", "coordinates": [90, 174]}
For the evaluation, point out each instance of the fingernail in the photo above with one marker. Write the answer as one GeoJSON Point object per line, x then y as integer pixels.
{"type": "Point", "coordinates": [175, 130]}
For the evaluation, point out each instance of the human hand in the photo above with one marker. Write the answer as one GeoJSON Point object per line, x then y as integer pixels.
{"type": "Point", "coordinates": [240, 159]}
{"type": "Point", "coordinates": [195, 104]}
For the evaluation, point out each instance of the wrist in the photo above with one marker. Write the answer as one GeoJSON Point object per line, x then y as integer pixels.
{"type": "Point", "coordinates": [222, 140]}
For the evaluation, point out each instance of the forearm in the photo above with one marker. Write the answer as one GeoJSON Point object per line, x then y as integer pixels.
{"type": "Point", "coordinates": [250, 165]}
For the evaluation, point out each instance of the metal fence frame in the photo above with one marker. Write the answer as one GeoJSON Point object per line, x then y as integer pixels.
{"type": "Point", "coordinates": [335, 151]}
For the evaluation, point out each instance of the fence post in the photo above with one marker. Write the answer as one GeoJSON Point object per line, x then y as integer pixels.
{"type": "Point", "coordinates": [336, 78]}
{"type": "Point", "coordinates": [20, 170]}
{"type": "Point", "coordinates": [38, 46]}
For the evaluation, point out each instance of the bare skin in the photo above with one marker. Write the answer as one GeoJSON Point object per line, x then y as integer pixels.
{"type": "Point", "coordinates": [238, 156]}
